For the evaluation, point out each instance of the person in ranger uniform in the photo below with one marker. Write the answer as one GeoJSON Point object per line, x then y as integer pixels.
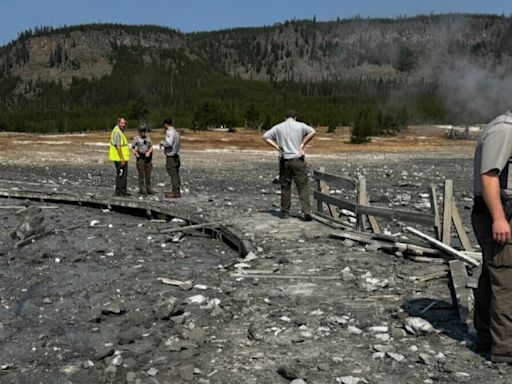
{"type": "Point", "coordinates": [290, 138]}
{"type": "Point", "coordinates": [491, 216]}
{"type": "Point", "coordinates": [119, 153]}
{"type": "Point", "coordinates": [143, 151]}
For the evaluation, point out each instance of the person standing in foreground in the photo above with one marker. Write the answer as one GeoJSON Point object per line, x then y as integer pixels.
{"type": "Point", "coordinates": [119, 153]}
{"type": "Point", "coordinates": [492, 186]}
{"type": "Point", "coordinates": [290, 138]}
{"type": "Point", "coordinates": [143, 152]}
{"type": "Point", "coordinates": [171, 146]}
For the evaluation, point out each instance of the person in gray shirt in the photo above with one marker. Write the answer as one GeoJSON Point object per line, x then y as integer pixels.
{"type": "Point", "coordinates": [290, 138]}
{"type": "Point", "coordinates": [491, 223]}
{"type": "Point", "coordinates": [171, 146]}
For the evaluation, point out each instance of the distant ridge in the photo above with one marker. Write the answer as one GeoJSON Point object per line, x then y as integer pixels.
{"type": "Point", "coordinates": [450, 50]}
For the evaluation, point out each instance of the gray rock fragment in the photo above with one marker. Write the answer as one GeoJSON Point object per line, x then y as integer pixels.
{"type": "Point", "coordinates": [113, 307]}
{"type": "Point", "coordinates": [426, 359]}
{"type": "Point", "coordinates": [241, 296]}
{"type": "Point", "coordinates": [165, 309]}
{"type": "Point", "coordinates": [291, 371]}
{"type": "Point", "coordinates": [347, 275]}
{"type": "Point", "coordinates": [254, 334]}
{"type": "Point", "coordinates": [186, 372]}
{"type": "Point", "coordinates": [103, 352]}
{"type": "Point", "coordinates": [30, 223]}
{"type": "Point", "coordinates": [197, 334]}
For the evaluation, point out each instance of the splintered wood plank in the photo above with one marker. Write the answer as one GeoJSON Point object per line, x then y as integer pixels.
{"type": "Point", "coordinates": [338, 182]}
{"type": "Point", "coordinates": [388, 213]}
{"type": "Point", "coordinates": [372, 220]}
{"type": "Point", "coordinates": [462, 296]}
{"type": "Point", "coordinates": [189, 227]}
{"type": "Point", "coordinates": [361, 198]}
{"type": "Point", "coordinates": [331, 222]}
{"type": "Point", "coordinates": [447, 211]}
{"type": "Point", "coordinates": [435, 210]}
{"type": "Point", "coordinates": [459, 228]}
{"type": "Point", "coordinates": [324, 188]}
{"type": "Point", "coordinates": [446, 248]}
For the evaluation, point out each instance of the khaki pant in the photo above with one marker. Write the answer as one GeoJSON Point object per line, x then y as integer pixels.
{"type": "Point", "coordinates": [144, 167]}
{"type": "Point", "coordinates": [121, 178]}
{"type": "Point", "coordinates": [296, 170]}
{"type": "Point", "coordinates": [493, 297]}
{"type": "Point", "coordinates": [173, 169]}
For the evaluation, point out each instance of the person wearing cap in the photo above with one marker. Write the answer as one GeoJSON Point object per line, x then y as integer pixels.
{"type": "Point", "coordinates": [119, 153]}
{"type": "Point", "coordinates": [491, 218]}
{"type": "Point", "coordinates": [171, 147]}
{"type": "Point", "coordinates": [143, 152]}
{"type": "Point", "coordinates": [290, 138]}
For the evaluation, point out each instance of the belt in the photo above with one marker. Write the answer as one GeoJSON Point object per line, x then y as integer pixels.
{"type": "Point", "coordinates": [173, 155]}
{"type": "Point", "coordinates": [294, 159]}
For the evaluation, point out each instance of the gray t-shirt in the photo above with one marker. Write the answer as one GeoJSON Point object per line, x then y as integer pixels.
{"type": "Point", "coordinates": [171, 143]}
{"type": "Point", "coordinates": [493, 151]}
{"type": "Point", "coordinates": [289, 135]}
{"type": "Point", "coordinates": [116, 138]}
{"type": "Point", "coordinates": [141, 144]}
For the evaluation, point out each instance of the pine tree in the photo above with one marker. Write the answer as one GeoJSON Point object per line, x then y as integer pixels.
{"type": "Point", "coordinates": [364, 126]}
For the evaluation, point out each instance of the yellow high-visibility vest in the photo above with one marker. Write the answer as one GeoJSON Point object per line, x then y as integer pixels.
{"type": "Point", "coordinates": [113, 155]}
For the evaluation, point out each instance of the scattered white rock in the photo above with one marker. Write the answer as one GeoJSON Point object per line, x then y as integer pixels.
{"type": "Point", "coordinates": [197, 299]}
{"type": "Point", "coordinates": [383, 336]}
{"type": "Point", "coordinates": [418, 326]}
{"type": "Point", "coordinates": [396, 356]}
{"type": "Point", "coordinates": [352, 330]}
{"type": "Point", "coordinates": [378, 329]}
{"type": "Point", "coordinates": [251, 256]}
{"type": "Point", "coordinates": [348, 380]}
{"type": "Point", "coordinates": [242, 265]}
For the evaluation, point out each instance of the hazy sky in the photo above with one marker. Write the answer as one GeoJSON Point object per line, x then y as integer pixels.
{"type": "Point", "coordinates": [202, 15]}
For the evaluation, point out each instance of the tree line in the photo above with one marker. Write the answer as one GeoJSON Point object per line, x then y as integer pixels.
{"type": "Point", "coordinates": [199, 97]}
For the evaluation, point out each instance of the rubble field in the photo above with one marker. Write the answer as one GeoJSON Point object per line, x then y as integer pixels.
{"type": "Point", "coordinates": [106, 297]}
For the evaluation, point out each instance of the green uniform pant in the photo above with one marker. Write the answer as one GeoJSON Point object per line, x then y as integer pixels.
{"type": "Point", "coordinates": [493, 297]}
{"type": "Point", "coordinates": [121, 178]}
{"type": "Point", "coordinates": [296, 170]}
{"type": "Point", "coordinates": [144, 167]}
{"type": "Point", "coordinates": [173, 169]}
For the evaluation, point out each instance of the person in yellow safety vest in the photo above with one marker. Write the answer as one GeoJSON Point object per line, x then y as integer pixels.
{"type": "Point", "coordinates": [119, 153]}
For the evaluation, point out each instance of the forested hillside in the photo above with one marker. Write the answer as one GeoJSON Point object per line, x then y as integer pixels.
{"type": "Point", "coordinates": [438, 68]}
